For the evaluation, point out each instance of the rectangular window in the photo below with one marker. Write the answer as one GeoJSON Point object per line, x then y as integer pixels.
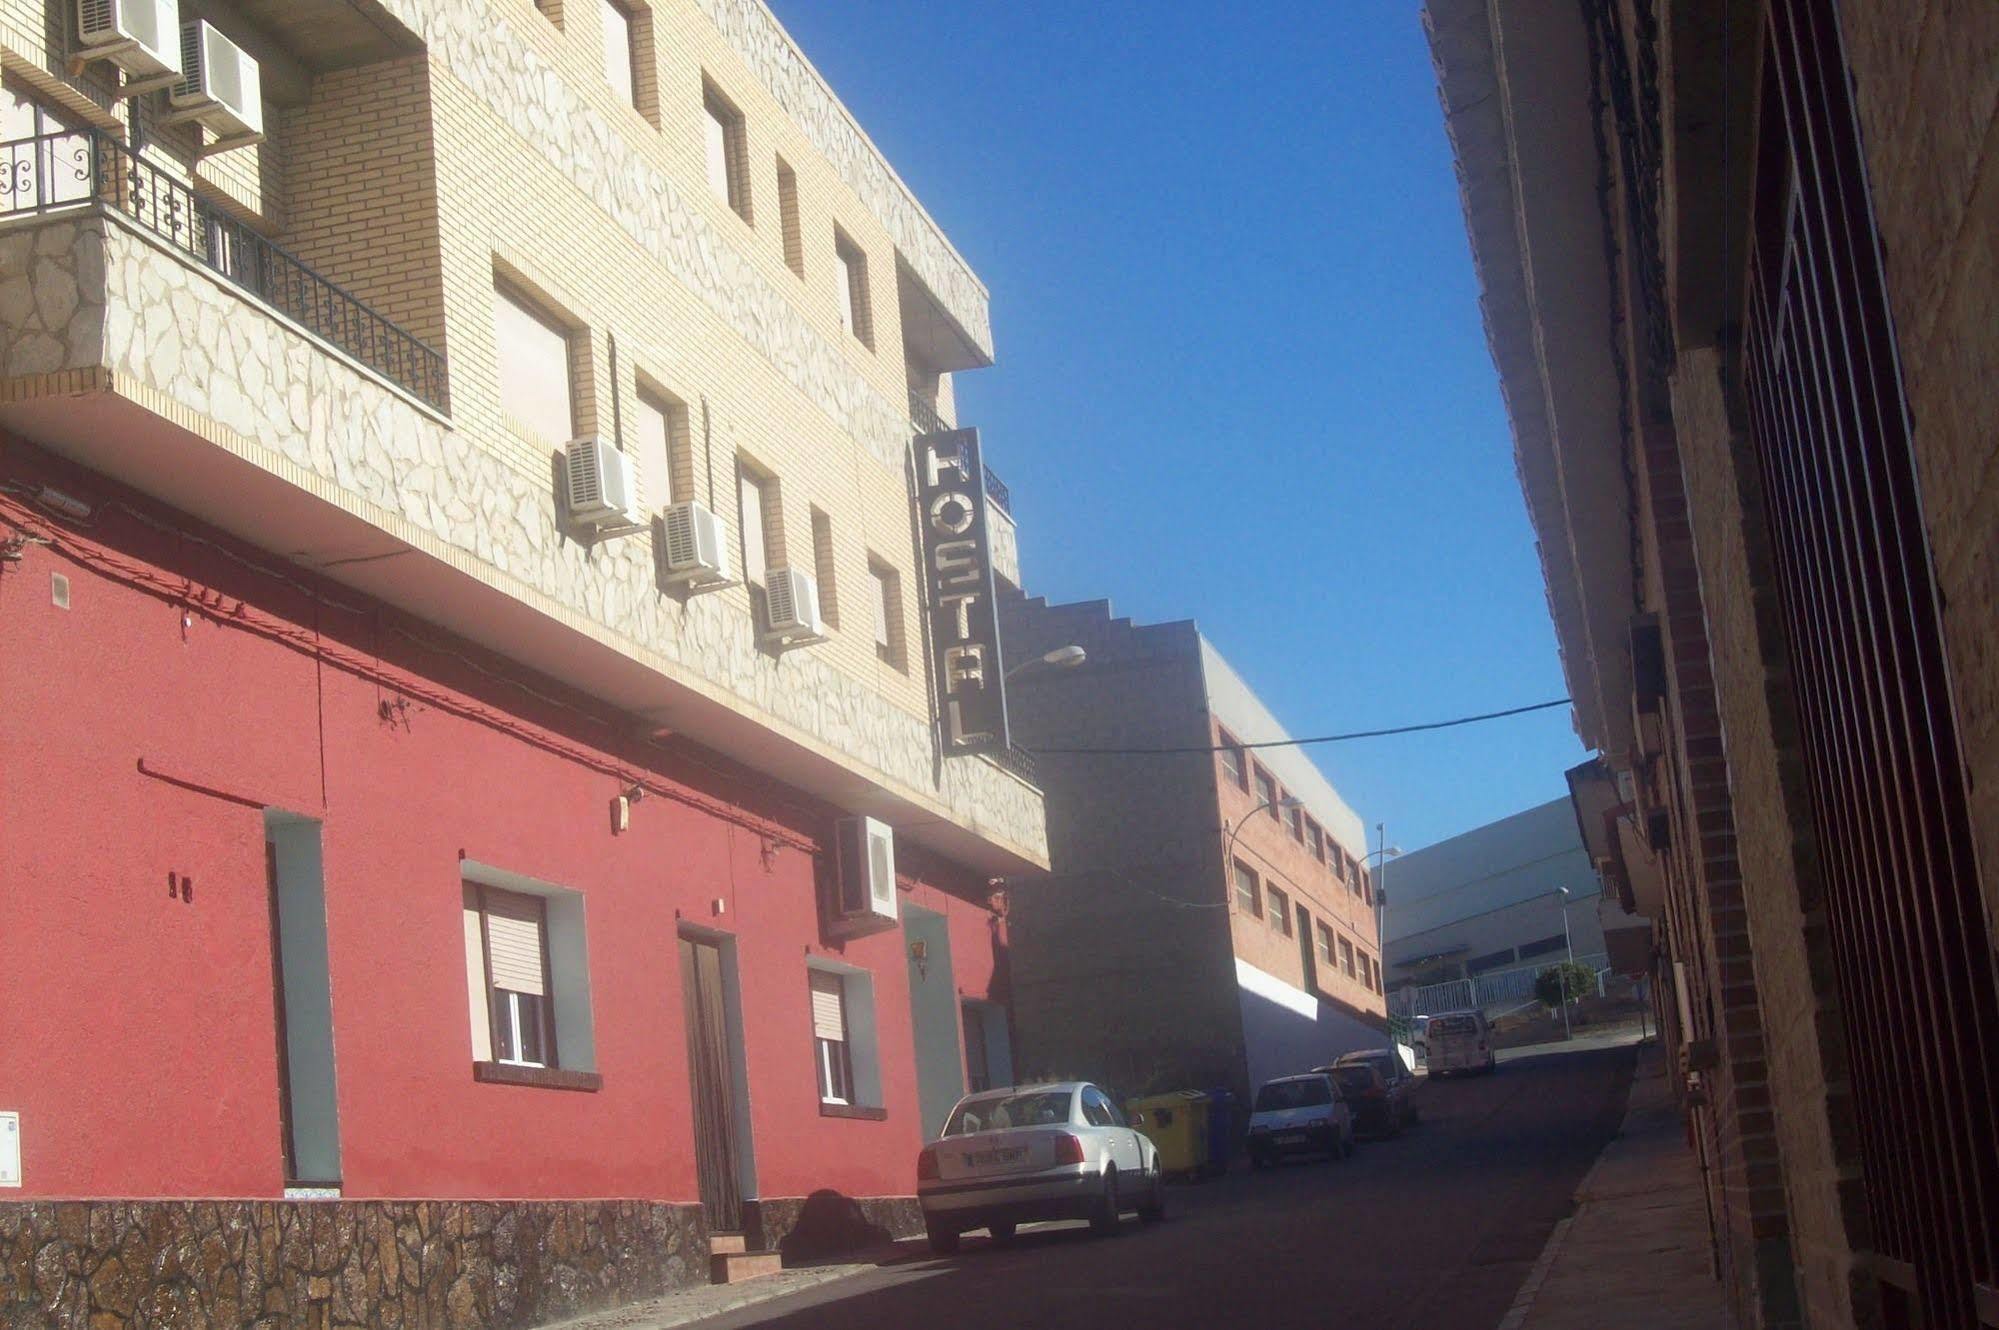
{"type": "Point", "coordinates": [1315, 840]}
{"type": "Point", "coordinates": [787, 213]}
{"type": "Point", "coordinates": [1491, 960]}
{"type": "Point", "coordinates": [1298, 825]}
{"type": "Point", "coordinates": [856, 314]}
{"type": "Point", "coordinates": [1247, 896]}
{"type": "Point", "coordinates": [655, 426]}
{"type": "Point", "coordinates": [978, 1069]}
{"type": "Point", "coordinates": [1233, 765]}
{"type": "Point", "coordinates": [618, 50]}
{"type": "Point", "coordinates": [1346, 957]}
{"type": "Point", "coordinates": [724, 142]}
{"type": "Point", "coordinates": [1325, 944]}
{"type": "Point", "coordinates": [1280, 911]}
{"type": "Point", "coordinates": [513, 976]}
{"type": "Point", "coordinates": [761, 520]}
{"type": "Point", "coordinates": [1339, 863]}
{"type": "Point", "coordinates": [887, 597]}
{"type": "Point", "coordinates": [829, 1038]}
{"type": "Point", "coordinates": [1543, 946]}
{"type": "Point", "coordinates": [1266, 790]}
{"type": "Point", "coordinates": [844, 1053]}
{"type": "Point", "coordinates": [824, 567]}
{"type": "Point", "coordinates": [537, 392]}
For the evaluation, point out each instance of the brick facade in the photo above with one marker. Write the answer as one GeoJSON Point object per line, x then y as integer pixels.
{"type": "Point", "coordinates": [1723, 785]}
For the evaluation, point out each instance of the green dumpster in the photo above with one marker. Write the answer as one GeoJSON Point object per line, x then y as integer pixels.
{"type": "Point", "coordinates": [1177, 1124]}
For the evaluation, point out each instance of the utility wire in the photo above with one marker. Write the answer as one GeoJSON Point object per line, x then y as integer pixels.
{"type": "Point", "coordinates": [1315, 739]}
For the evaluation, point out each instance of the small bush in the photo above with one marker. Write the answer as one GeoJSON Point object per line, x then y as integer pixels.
{"type": "Point", "coordinates": [1564, 982]}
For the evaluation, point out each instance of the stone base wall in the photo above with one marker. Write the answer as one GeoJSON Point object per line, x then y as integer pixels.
{"type": "Point", "coordinates": [826, 1223]}
{"type": "Point", "coordinates": [410, 1265]}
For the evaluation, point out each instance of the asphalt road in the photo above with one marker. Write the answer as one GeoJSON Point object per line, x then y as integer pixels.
{"type": "Point", "coordinates": [1434, 1229]}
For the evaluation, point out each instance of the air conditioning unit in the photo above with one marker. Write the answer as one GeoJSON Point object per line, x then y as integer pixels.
{"type": "Point", "coordinates": [602, 484]}
{"type": "Point", "coordinates": [219, 86]}
{"type": "Point", "coordinates": [792, 601]}
{"type": "Point", "coordinates": [864, 855]}
{"type": "Point", "coordinates": [696, 552]}
{"type": "Point", "coordinates": [141, 36]}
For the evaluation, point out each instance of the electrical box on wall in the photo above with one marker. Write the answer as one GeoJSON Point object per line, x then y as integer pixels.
{"type": "Point", "coordinates": [864, 884]}
{"type": "Point", "coordinates": [10, 1149]}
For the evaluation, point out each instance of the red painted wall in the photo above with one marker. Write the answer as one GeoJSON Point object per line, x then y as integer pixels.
{"type": "Point", "coordinates": [137, 1034]}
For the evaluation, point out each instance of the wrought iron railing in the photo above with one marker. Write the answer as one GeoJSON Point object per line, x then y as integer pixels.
{"type": "Point", "coordinates": [1020, 762]}
{"type": "Point", "coordinates": [923, 415]}
{"type": "Point", "coordinates": [70, 169]}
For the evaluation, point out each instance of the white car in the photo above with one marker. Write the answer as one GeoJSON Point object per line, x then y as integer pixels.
{"type": "Point", "coordinates": [1300, 1115]}
{"type": "Point", "coordinates": [1033, 1152]}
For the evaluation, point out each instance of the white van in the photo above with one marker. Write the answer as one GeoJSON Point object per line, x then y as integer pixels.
{"type": "Point", "coordinates": [1460, 1041]}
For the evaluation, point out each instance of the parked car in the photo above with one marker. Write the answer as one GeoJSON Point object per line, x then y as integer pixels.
{"type": "Point", "coordinates": [1398, 1083]}
{"type": "Point", "coordinates": [1366, 1092]}
{"type": "Point", "coordinates": [1300, 1115]}
{"type": "Point", "coordinates": [1460, 1041]}
{"type": "Point", "coordinates": [1034, 1152]}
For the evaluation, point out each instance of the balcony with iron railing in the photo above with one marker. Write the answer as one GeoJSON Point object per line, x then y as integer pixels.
{"type": "Point", "coordinates": [924, 416]}
{"type": "Point", "coordinates": [78, 170]}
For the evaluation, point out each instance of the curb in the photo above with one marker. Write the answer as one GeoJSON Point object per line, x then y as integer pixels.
{"type": "Point", "coordinates": [700, 1302]}
{"type": "Point", "coordinates": [1530, 1287]}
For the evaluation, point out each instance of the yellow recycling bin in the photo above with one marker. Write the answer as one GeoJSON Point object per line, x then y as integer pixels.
{"type": "Point", "coordinates": [1177, 1123]}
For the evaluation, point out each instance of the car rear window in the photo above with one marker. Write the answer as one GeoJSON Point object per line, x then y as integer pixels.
{"type": "Point", "coordinates": [1454, 1025]}
{"type": "Point", "coordinates": [1354, 1078]}
{"type": "Point", "coordinates": [1280, 1095]}
{"type": "Point", "coordinates": [1038, 1108]}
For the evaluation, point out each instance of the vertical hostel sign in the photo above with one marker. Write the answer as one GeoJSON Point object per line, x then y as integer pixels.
{"type": "Point", "coordinates": [958, 582]}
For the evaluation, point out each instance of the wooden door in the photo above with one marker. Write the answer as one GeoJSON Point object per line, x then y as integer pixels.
{"type": "Point", "coordinates": [711, 1083]}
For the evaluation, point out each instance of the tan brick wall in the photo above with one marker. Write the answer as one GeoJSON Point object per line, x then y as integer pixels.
{"type": "Point", "coordinates": [1803, 1041]}
{"type": "Point", "coordinates": [497, 198]}
{"type": "Point", "coordinates": [362, 189]}
{"type": "Point", "coordinates": [1926, 77]}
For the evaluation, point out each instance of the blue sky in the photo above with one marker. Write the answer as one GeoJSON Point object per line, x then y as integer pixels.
{"type": "Point", "coordinates": [1241, 375]}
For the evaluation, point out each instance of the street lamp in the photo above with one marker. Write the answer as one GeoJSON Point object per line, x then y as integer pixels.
{"type": "Point", "coordinates": [1569, 947]}
{"type": "Point", "coordinates": [1285, 804]}
{"type": "Point", "coordinates": [1061, 658]}
{"type": "Point", "coordinates": [1385, 853]}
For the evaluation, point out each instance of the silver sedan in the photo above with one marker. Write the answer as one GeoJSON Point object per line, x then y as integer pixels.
{"type": "Point", "coordinates": [1034, 1152]}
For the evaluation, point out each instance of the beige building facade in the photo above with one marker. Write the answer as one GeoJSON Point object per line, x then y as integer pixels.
{"type": "Point", "coordinates": [735, 282]}
{"type": "Point", "coordinates": [1736, 272]}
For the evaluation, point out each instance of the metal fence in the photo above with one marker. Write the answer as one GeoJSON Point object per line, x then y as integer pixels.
{"type": "Point", "coordinates": [1491, 989]}
{"type": "Point", "coordinates": [56, 172]}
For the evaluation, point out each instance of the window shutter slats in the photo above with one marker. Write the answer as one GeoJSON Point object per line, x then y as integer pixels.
{"type": "Point", "coordinates": [513, 934]}
{"type": "Point", "coordinates": [828, 1015]}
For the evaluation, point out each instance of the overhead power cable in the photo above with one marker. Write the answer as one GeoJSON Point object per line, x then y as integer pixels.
{"type": "Point", "coordinates": [1293, 743]}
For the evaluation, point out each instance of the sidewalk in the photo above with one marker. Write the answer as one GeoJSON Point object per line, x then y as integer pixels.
{"type": "Point", "coordinates": [701, 1301]}
{"type": "Point", "coordinates": [1636, 1250]}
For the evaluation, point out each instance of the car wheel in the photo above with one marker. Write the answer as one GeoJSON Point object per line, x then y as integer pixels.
{"type": "Point", "coordinates": [1110, 1210]}
{"type": "Point", "coordinates": [1154, 1208]}
{"type": "Point", "coordinates": [943, 1240]}
{"type": "Point", "coordinates": [1346, 1143]}
{"type": "Point", "coordinates": [1001, 1230]}
{"type": "Point", "coordinates": [1415, 1113]}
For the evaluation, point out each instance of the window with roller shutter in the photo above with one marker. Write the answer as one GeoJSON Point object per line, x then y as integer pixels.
{"type": "Point", "coordinates": [829, 1038]}
{"type": "Point", "coordinates": [512, 930]}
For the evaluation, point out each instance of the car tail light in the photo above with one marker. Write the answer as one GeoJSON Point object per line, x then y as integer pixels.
{"type": "Point", "coordinates": [1068, 1149]}
{"type": "Point", "coordinates": [926, 1166]}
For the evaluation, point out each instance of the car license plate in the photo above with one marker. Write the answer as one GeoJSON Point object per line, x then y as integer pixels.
{"type": "Point", "coordinates": [1290, 1138]}
{"type": "Point", "coordinates": [995, 1158]}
